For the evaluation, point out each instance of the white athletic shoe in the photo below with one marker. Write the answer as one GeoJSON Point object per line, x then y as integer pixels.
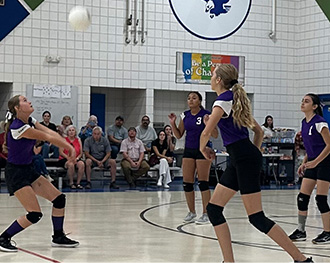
{"type": "Point", "coordinates": [160, 180]}
{"type": "Point", "coordinates": [204, 219]}
{"type": "Point", "coordinates": [189, 217]}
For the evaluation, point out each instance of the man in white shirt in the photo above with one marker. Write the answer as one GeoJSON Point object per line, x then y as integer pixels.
{"type": "Point", "coordinates": [133, 164]}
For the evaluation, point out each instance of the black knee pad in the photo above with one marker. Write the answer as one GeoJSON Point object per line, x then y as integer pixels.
{"type": "Point", "coordinates": [215, 214]}
{"type": "Point", "coordinates": [303, 201]}
{"type": "Point", "coordinates": [261, 222]}
{"type": "Point", "coordinates": [188, 187]}
{"type": "Point", "coordinates": [322, 203]}
{"type": "Point", "coordinates": [203, 185]}
{"type": "Point", "coordinates": [34, 217]}
{"type": "Point", "coordinates": [59, 202]}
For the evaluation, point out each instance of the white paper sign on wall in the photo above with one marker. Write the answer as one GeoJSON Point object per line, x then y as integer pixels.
{"type": "Point", "coordinates": [211, 19]}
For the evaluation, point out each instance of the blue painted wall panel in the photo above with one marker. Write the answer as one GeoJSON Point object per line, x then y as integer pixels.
{"type": "Point", "coordinates": [11, 15]}
{"type": "Point", "coordinates": [97, 108]}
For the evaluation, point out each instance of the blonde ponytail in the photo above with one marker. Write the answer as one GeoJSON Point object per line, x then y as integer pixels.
{"type": "Point", "coordinates": [242, 113]}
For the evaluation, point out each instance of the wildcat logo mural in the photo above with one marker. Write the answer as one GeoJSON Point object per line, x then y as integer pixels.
{"type": "Point", "coordinates": [211, 19]}
{"type": "Point", "coordinates": [216, 7]}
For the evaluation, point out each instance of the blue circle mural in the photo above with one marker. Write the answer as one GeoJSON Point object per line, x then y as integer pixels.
{"type": "Point", "coordinates": [211, 19]}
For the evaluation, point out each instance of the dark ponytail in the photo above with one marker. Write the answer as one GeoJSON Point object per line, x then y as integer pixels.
{"type": "Point", "coordinates": [12, 103]}
{"type": "Point", "coordinates": [316, 101]}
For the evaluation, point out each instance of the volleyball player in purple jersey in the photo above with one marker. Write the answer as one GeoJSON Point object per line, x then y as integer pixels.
{"type": "Point", "coordinates": [193, 124]}
{"type": "Point", "coordinates": [315, 168]}
{"type": "Point", "coordinates": [232, 113]}
{"type": "Point", "coordinates": [21, 178]}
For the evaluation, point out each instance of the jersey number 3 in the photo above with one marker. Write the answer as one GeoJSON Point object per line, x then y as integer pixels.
{"type": "Point", "coordinates": [199, 120]}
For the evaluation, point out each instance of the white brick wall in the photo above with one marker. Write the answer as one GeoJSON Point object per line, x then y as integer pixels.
{"type": "Point", "coordinates": [277, 73]}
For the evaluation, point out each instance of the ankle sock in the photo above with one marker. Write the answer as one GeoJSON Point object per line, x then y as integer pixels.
{"type": "Point", "coordinates": [301, 222]}
{"type": "Point", "coordinates": [12, 230]}
{"type": "Point", "coordinates": [58, 224]}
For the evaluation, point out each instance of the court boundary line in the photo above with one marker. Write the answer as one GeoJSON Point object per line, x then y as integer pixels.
{"type": "Point", "coordinates": [180, 230]}
{"type": "Point", "coordinates": [39, 255]}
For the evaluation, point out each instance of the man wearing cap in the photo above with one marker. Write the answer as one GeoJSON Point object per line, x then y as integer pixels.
{"type": "Point", "coordinates": [116, 134]}
{"type": "Point", "coordinates": [87, 130]}
{"type": "Point", "coordinates": [133, 164]}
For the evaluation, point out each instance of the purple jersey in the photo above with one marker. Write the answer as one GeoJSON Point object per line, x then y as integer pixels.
{"type": "Point", "coordinates": [20, 150]}
{"type": "Point", "coordinates": [194, 125]}
{"type": "Point", "coordinates": [311, 134]}
{"type": "Point", "coordinates": [230, 133]}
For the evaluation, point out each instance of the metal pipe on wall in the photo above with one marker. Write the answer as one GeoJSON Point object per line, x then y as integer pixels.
{"type": "Point", "coordinates": [128, 21]}
{"type": "Point", "coordinates": [136, 21]}
{"type": "Point", "coordinates": [272, 34]}
{"type": "Point", "coordinates": [143, 22]}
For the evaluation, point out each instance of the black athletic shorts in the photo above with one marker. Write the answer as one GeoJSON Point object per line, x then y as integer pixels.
{"type": "Point", "coordinates": [320, 172]}
{"type": "Point", "coordinates": [243, 171]}
{"type": "Point", "coordinates": [18, 176]}
{"type": "Point", "coordinates": [193, 154]}
{"type": "Point", "coordinates": [62, 162]}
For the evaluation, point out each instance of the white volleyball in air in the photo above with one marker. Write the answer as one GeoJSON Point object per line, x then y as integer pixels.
{"type": "Point", "coordinates": [79, 18]}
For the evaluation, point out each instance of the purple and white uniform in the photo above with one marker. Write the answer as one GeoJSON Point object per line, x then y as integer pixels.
{"type": "Point", "coordinates": [20, 150]}
{"type": "Point", "coordinates": [230, 133]}
{"type": "Point", "coordinates": [194, 125]}
{"type": "Point", "coordinates": [311, 134]}
{"type": "Point", "coordinates": [242, 172]}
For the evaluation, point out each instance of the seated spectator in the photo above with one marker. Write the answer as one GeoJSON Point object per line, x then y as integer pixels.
{"type": "Point", "coordinates": [133, 164]}
{"type": "Point", "coordinates": [159, 149]}
{"type": "Point", "coordinates": [268, 127]}
{"type": "Point", "coordinates": [299, 144]}
{"type": "Point", "coordinates": [47, 147]}
{"type": "Point", "coordinates": [87, 130]}
{"type": "Point", "coordinates": [116, 134]}
{"type": "Point", "coordinates": [145, 133]}
{"type": "Point", "coordinates": [46, 116]}
{"type": "Point", "coordinates": [171, 141]}
{"type": "Point", "coordinates": [77, 163]}
{"type": "Point", "coordinates": [38, 161]}
{"type": "Point", "coordinates": [97, 151]}
{"type": "Point", "coordinates": [60, 130]}
{"type": "Point", "coordinates": [299, 156]}
{"type": "Point", "coordinates": [66, 121]}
